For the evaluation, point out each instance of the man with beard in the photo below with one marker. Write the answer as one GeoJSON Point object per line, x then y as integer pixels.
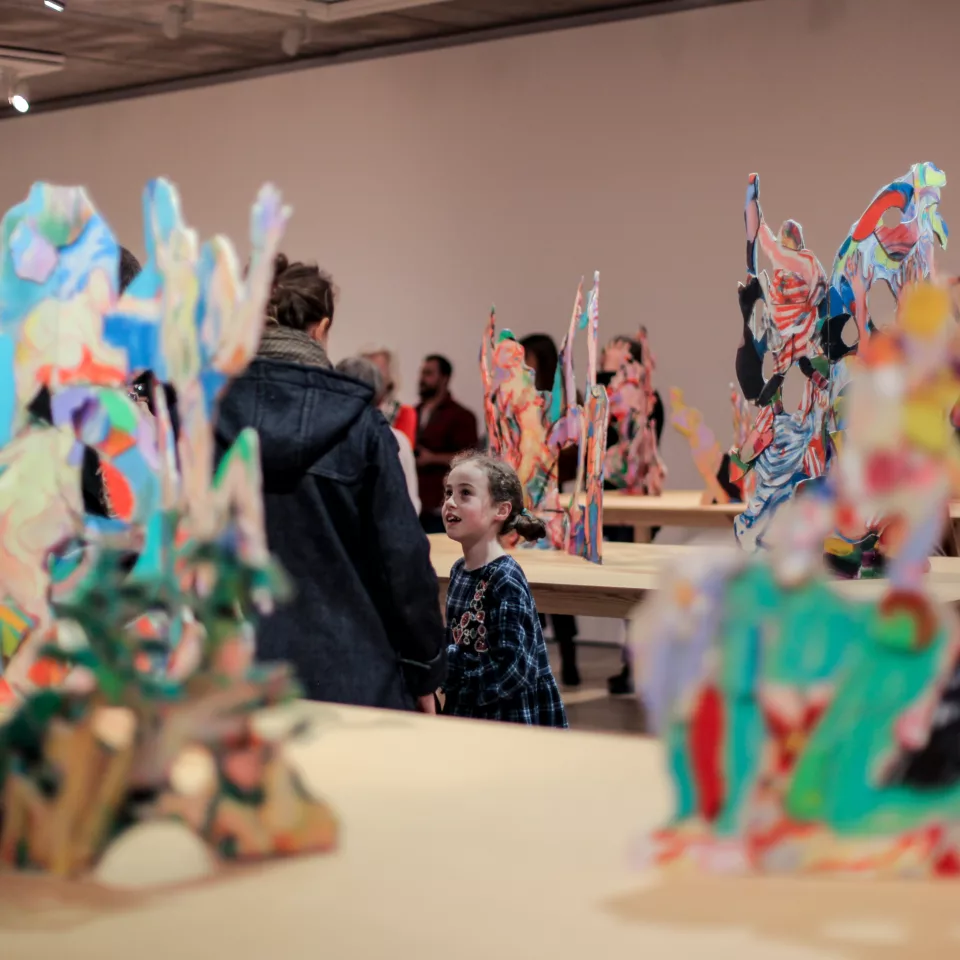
{"type": "Point", "coordinates": [444, 429]}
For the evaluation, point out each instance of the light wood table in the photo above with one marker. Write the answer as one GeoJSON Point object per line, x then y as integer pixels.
{"type": "Point", "coordinates": [564, 584]}
{"type": "Point", "coordinates": [955, 524]}
{"type": "Point", "coordinates": [561, 583]}
{"type": "Point", "coordinates": [683, 508]}
{"type": "Point", "coordinates": [471, 840]}
{"type": "Point", "coordinates": [673, 508]}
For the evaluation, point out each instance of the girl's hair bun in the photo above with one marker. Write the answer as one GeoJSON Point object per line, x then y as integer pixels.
{"type": "Point", "coordinates": [530, 527]}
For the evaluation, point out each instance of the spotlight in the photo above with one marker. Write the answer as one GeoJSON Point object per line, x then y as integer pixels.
{"type": "Point", "coordinates": [57, 5]}
{"type": "Point", "coordinates": [19, 97]}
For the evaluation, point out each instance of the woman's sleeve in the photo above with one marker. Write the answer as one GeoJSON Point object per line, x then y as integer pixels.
{"type": "Point", "coordinates": [415, 627]}
{"type": "Point", "coordinates": [406, 423]}
{"type": "Point", "coordinates": [409, 464]}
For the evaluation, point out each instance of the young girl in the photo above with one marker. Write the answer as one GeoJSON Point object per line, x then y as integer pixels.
{"type": "Point", "coordinates": [497, 661]}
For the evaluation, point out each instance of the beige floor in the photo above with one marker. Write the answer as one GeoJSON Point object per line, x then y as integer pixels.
{"type": "Point", "coordinates": [589, 706]}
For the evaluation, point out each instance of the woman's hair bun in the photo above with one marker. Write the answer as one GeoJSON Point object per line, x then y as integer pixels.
{"type": "Point", "coordinates": [280, 265]}
{"type": "Point", "coordinates": [301, 294]}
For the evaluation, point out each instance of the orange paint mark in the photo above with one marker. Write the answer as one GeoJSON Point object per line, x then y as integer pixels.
{"type": "Point", "coordinates": [116, 443]}
{"type": "Point", "coordinates": [90, 371]}
{"type": "Point", "coordinates": [118, 491]}
{"type": "Point", "coordinates": [920, 843]}
{"type": "Point", "coordinates": [145, 628]}
{"type": "Point", "coordinates": [87, 371]}
{"type": "Point", "coordinates": [237, 361]}
{"type": "Point", "coordinates": [47, 673]}
{"type": "Point", "coordinates": [847, 518]}
{"type": "Point", "coordinates": [285, 844]}
{"type": "Point", "coordinates": [13, 620]}
{"type": "Point", "coordinates": [879, 350]}
{"type": "Point", "coordinates": [871, 216]}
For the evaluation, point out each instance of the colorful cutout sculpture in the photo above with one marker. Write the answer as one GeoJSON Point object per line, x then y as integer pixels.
{"type": "Point", "coordinates": [127, 646]}
{"type": "Point", "coordinates": [806, 732]}
{"type": "Point", "coordinates": [783, 448]}
{"type": "Point", "coordinates": [805, 322]}
{"type": "Point", "coordinates": [873, 253]}
{"type": "Point", "coordinates": [632, 463]}
{"type": "Point", "coordinates": [528, 429]}
{"type": "Point", "coordinates": [713, 464]}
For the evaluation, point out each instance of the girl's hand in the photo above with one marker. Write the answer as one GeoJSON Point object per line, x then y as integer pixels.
{"type": "Point", "coordinates": [427, 704]}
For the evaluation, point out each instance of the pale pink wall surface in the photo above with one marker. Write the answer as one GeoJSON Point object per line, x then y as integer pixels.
{"type": "Point", "coordinates": [434, 184]}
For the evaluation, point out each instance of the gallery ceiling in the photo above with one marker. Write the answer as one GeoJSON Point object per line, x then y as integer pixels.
{"type": "Point", "coordinates": [97, 49]}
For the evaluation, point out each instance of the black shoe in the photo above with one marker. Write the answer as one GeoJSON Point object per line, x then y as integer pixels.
{"type": "Point", "coordinates": [570, 676]}
{"type": "Point", "coordinates": [621, 685]}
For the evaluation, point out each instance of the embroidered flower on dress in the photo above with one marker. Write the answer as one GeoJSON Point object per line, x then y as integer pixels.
{"type": "Point", "coordinates": [470, 633]}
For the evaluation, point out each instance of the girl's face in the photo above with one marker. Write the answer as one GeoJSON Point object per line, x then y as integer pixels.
{"type": "Point", "coordinates": [469, 514]}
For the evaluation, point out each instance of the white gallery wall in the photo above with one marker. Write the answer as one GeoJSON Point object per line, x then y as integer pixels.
{"type": "Point", "coordinates": [434, 184]}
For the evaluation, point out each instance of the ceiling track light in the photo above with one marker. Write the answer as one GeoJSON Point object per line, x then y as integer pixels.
{"type": "Point", "coordinates": [18, 96]}
{"type": "Point", "coordinates": [17, 66]}
{"type": "Point", "coordinates": [58, 5]}
{"type": "Point", "coordinates": [176, 17]}
{"type": "Point", "coordinates": [295, 37]}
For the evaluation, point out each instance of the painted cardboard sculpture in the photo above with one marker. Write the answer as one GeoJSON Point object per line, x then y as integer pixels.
{"type": "Point", "coordinates": [873, 253]}
{"type": "Point", "coordinates": [528, 428]}
{"type": "Point", "coordinates": [784, 447]}
{"type": "Point", "coordinates": [713, 463]}
{"type": "Point", "coordinates": [816, 326]}
{"type": "Point", "coordinates": [128, 646]}
{"type": "Point", "coordinates": [632, 463]}
{"type": "Point", "coordinates": [805, 732]}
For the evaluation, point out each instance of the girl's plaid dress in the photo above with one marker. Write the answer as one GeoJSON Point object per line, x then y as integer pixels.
{"type": "Point", "coordinates": [498, 667]}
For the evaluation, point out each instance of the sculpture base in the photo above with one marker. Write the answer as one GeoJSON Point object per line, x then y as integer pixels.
{"type": "Point", "coordinates": [789, 848]}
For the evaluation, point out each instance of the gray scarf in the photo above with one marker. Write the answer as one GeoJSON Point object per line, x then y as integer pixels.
{"type": "Point", "coordinates": [294, 346]}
